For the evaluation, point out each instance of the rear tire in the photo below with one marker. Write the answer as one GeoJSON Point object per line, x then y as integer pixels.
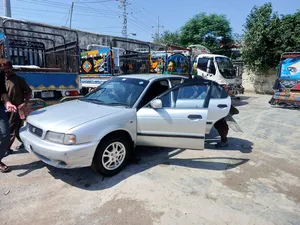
{"type": "Point", "coordinates": [111, 156]}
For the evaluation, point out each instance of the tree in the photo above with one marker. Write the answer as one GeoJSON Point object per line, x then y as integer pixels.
{"type": "Point", "coordinates": [168, 37]}
{"type": "Point", "coordinates": [213, 31]}
{"type": "Point", "coordinates": [260, 38]}
{"type": "Point", "coordinates": [267, 36]}
{"type": "Point", "coordinates": [290, 32]}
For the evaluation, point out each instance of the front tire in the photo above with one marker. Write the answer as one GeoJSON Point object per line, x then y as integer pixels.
{"type": "Point", "coordinates": [111, 156]}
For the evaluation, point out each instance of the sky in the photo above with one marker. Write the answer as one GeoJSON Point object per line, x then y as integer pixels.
{"type": "Point", "coordinates": [105, 16]}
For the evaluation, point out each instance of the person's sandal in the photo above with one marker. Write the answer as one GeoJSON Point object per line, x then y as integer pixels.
{"type": "Point", "coordinates": [5, 169]}
{"type": "Point", "coordinates": [8, 152]}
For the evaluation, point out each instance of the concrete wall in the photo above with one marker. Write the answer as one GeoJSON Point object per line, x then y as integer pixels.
{"type": "Point", "coordinates": [259, 83]}
{"type": "Point", "coordinates": [85, 38]}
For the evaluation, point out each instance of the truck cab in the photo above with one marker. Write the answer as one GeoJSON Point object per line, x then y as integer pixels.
{"type": "Point", "coordinates": [220, 69]}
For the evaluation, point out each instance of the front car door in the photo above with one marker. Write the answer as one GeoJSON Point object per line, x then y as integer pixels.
{"type": "Point", "coordinates": [176, 123]}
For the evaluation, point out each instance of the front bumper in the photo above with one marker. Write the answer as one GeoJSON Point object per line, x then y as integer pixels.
{"type": "Point", "coordinates": [60, 156]}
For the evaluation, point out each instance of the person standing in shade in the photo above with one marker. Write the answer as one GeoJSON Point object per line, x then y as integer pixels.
{"type": "Point", "coordinates": [4, 127]}
{"type": "Point", "coordinates": [19, 92]}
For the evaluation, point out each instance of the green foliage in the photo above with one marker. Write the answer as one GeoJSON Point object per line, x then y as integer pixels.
{"type": "Point", "coordinates": [168, 37]}
{"type": "Point", "coordinates": [206, 30]}
{"type": "Point", "coordinates": [267, 36]}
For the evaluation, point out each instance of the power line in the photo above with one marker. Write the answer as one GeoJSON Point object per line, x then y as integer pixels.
{"type": "Point", "coordinates": [141, 23]}
{"type": "Point", "coordinates": [59, 12]}
{"type": "Point", "coordinates": [97, 1]}
{"type": "Point", "coordinates": [67, 6]}
{"type": "Point", "coordinates": [81, 8]}
{"type": "Point", "coordinates": [142, 16]}
{"type": "Point", "coordinates": [139, 26]}
{"type": "Point", "coordinates": [68, 17]}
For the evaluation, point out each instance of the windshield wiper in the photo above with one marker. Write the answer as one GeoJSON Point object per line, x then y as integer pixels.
{"type": "Point", "coordinates": [96, 101]}
{"type": "Point", "coordinates": [118, 104]}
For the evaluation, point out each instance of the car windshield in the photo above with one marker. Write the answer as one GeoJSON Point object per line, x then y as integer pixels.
{"type": "Point", "coordinates": [225, 67]}
{"type": "Point", "coordinates": [119, 91]}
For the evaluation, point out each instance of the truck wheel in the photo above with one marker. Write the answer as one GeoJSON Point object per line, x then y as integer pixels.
{"type": "Point", "coordinates": [111, 156]}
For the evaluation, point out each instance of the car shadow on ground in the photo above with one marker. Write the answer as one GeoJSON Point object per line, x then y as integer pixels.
{"type": "Point", "coordinates": [30, 167]}
{"type": "Point", "coordinates": [85, 178]}
{"type": "Point", "coordinates": [240, 101]}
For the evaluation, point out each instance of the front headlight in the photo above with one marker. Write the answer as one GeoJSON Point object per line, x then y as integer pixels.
{"type": "Point", "coordinates": [60, 138]}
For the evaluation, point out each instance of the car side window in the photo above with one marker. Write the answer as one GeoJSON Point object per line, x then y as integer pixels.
{"type": "Point", "coordinates": [202, 63]}
{"type": "Point", "coordinates": [218, 92]}
{"type": "Point", "coordinates": [190, 96]}
{"type": "Point", "coordinates": [175, 82]}
{"type": "Point", "coordinates": [156, 89]}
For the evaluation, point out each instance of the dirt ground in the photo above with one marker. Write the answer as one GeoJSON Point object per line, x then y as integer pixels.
{"type": "Point", "coordinates": [256, 180]}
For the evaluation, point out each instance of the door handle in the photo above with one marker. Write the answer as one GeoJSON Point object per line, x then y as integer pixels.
{"type": "Point", "coordinates": [222, 106]}
{"type": "Point", "coordinates": [193, 117]}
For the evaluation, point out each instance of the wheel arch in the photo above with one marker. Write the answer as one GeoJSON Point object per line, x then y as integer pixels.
{"type": "Point", "coordinates": [117, 133]}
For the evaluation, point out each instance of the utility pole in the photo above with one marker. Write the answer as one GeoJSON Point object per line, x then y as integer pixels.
{"type": "Point", "coordinates": [158, 28]}
{"type": "Point", "coordinates": [7, 8]}
{"type": "Point", "coordinates": [124, 15]}
{"type": "Point", "coordinates": [71, 14]}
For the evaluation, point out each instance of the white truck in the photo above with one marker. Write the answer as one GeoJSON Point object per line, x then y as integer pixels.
{"type": "Point", "coordinates": [218, 68]}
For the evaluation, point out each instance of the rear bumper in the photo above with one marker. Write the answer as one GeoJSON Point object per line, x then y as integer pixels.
{"type": "Point", "coordinates": [281, 98]}
{"type": "Point", "coordinates": [235, 90]}
{"type": "Point", "coordinates": [60, 156]}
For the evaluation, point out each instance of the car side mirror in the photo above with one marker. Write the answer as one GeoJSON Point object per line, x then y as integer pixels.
{"type": "Point", "coordinates": [156, 104]}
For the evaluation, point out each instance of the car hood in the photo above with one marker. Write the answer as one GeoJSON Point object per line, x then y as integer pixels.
{"type": "Point", "coordinates": [65, 116]}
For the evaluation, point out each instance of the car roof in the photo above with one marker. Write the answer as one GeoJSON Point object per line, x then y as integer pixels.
{"type": "Point", "coordinates": [211, 55]}
{"type": "Point", "coordinates": [151, 76]}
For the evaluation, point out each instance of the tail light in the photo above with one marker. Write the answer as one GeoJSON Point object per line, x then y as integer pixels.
{"type": "Point", "coordinates": [71, 93]}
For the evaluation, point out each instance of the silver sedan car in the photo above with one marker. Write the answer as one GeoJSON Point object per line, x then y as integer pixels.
{"type": "Point", "coordinates": [102, 129]}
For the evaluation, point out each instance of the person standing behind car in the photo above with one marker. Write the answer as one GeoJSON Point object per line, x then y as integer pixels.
{"type": "Point", "coordinates": [19, 92]}
{"type": "Point", "coordinates": [4, 129]}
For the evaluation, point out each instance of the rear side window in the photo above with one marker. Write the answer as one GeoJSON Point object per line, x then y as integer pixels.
{"type": "Point", "coordinates": [193, 92]}
{"type": "Point", "coordinates": [190, 96]}
{"type": "Point", "coordinates": [218, 92]}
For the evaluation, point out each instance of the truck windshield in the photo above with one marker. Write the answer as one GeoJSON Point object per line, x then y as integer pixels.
{"type": "Point", "coordinates": [117, 92]}
{"type": "Point", "coordinates": [225, 67]}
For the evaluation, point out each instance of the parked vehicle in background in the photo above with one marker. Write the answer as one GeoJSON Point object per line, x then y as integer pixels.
{"type": "Point", "coordinates": [174, 60]}
{"type": "Point", "coordinates": [49, 62]}
{"type": "Point", "coordinates": [99, 63]}
{"type": "Point", "coordinates": [220, 69]}
{"type": "Point", "coordinates": [125, 111]}
{"type": "Point", "coordinates": [287, 85]}
{"type": "Point", "coordinates": [142, 50]}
